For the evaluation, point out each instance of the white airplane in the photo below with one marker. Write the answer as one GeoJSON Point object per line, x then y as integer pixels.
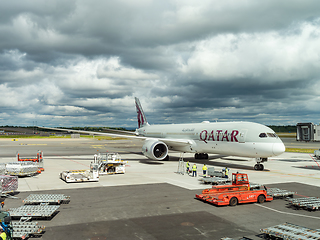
{"type": "Point", "coordinates": [243, 139]}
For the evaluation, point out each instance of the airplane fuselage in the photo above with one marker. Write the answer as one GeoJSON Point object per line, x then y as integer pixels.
{"type": "Point", "coordinates": [245, 139]}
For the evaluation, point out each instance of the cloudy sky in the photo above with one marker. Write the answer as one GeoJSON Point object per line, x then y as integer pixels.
{"type": "Point", "coordinates": [81, 63]}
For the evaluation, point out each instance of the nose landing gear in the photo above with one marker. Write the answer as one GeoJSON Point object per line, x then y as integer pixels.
{"type": "Point", "coordinates": [259, 166]}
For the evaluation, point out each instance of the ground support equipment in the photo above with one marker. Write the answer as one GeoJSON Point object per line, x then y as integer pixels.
{"type": "Point", "coordinates": [110, 163]}
{"type": "Point", "coordinates": [34, 211]}
{"type": "Point", "coordinates": [22, 169]}
{"type": "Point", "coordinates": [280, 193]}
{"type": "Point", "coordinates": [309, 203]}
{"type": "Point", "coordinates": [47, 198]}
{"type": "Point", "coordinates": [23, 230]}
{"type": "Point", "coordinates": [38, 160]}
{"type": "Point", "coordinates": [91, 175]}
{"type": "Point", "coordinates": [290, 231]}
{"type": "Point", "coordinates": [238, 192]}
{"type": "Point", "coordinates": [213, 173]}
{"type": "Point", "coordinates": [8, 184]}
{"type": "Point", "coordinates": [215, 180]}
{"type": "Point", "coordinates": [181, 165]}
{"type": "Point", "coordinates": [241, 238]}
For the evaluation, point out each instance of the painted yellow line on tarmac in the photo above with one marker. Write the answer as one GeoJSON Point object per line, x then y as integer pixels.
{"type": "Point", "coordinates": [33, 144]}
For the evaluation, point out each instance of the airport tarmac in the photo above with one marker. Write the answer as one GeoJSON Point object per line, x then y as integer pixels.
{"type": "Point", "coordinates": [152, 201]}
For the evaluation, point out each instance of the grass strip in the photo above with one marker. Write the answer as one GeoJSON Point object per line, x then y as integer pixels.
{"type": "Point", "coordinates": [301, 150]}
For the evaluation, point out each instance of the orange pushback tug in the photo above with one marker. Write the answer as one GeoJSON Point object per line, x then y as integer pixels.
{"type": "Point", "coordinates": [238, 192]}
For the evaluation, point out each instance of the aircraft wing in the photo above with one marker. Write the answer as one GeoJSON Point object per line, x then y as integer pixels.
{"type": "Point", "coordinates": [126, 134]}
{"type": "Point", "coordinates": [175, 142]}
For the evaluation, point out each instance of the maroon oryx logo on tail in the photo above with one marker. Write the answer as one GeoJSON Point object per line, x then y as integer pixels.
{"type": "Point", "coordinates": [140, 114]}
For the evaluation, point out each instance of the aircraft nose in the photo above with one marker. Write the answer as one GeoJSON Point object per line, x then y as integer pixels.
{"type": "Point", "coordinates": [278, 148]}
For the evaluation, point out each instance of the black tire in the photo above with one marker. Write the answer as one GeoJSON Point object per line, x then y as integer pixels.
{"type": "Point", "coordinates": [258, 167]}
{"type": "Point", "coordinates": [196, 156]}
{"type": "Point", "coordinates": [261, 199]}
{"type": "Point", "coordinates": [111, 170]}
{"type": "Point", "coordinates": [233, 201]}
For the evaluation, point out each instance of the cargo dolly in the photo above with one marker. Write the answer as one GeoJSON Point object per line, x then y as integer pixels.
{"type": "Point", "coordinates": [215, 177]}
{"type": "Point", "coordinates": [309, 203]}
{"type": "Point", "coordinates": [290, 231]}
{"type": "Point", "coordinates": [38, 160]}
{"type": "Point", "coordinates": [23, 230]}
{"type": "Point", "coordinates": [280, 193]}
{"type": "Point", "coordinates": [91, 175]}
{"type": "Point", "coordinates": [215, 180]}
{"type": "Point", "coordinates": [46, 198]}
{"type": "Point", "coordinates": [19, 229]}
{"type": "Point", "coordinates": [34, 211]}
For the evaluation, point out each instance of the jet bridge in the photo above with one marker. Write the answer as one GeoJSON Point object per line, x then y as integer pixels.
{"type": "Point", "coordinates": [308, 132]}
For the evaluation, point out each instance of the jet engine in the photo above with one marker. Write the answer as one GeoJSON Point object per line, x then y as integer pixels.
{"type": "Point", "coordinates": [155, 150]}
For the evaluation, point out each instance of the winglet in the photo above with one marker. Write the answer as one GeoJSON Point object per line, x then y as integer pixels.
{"type": "Point", "coordinates": [142, 121]}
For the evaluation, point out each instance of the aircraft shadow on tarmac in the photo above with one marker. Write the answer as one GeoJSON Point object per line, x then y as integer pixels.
{"type": "Point", "coordinates": [294, 160]}
{"type": "Point", "coordinates": [317, 168]}
{"type": "Point", "coordinates": [208, 162]}
{"type": "Point", "coordinates": [211, 162]}
{"type": "Point", "coordinates": [150, 162]}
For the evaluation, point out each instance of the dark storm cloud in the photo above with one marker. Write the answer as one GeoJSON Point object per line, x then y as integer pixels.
{"type": "Point", "coordinates": [81, 63]}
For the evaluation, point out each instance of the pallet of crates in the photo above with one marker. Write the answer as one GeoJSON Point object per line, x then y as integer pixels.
{"type": "Point", "coordinates": [8, 184]}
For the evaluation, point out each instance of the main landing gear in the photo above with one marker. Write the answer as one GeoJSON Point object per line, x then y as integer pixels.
{"type": "Point", "coordinates": [201, 156]}
{"type": "Point", "coordinates": [259, 166]}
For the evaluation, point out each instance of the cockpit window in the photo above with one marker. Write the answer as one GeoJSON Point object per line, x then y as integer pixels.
{"type": "Point", "coordinates": [262, 135]}
{"type": "Point", "coordinates": [272, 135]}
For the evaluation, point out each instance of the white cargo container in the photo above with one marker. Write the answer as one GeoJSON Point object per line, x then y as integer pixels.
{"type": "Point", "coordinates": [22, 168]}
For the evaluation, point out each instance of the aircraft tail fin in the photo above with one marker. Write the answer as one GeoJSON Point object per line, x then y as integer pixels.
{"type": "Point", "coordinates": [142, 121]}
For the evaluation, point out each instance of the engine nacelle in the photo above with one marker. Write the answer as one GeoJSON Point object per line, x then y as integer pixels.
{"type": "Point", "coordinates": [155, 150]}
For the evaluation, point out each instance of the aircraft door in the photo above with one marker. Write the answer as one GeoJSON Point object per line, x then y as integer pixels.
{"type": "Point", "coordinates": [243, 134]}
